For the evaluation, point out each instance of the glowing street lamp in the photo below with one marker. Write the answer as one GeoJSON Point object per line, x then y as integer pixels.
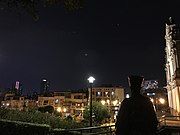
{"type": "Point", "coordinates": [103, 102]}
{"type": "Point", "coordinates": [64, 109]}
{"type": "Point", "coordinates": [115, 102]}
{"type": "Point", "coordinates": [59, 109]}
{"type": "Point", "coordinates": [162, 100]}
{"type": "Point", "coordinates": [91, 80]}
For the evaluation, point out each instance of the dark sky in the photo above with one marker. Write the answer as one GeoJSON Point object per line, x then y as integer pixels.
{"type": "Point", "coordinates": [107, 39]}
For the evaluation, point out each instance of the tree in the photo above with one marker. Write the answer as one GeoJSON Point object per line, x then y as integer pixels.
{"type": "Point", "coordinates": [49, 109]}
{"type": "Point", "coordinates": [32, 6]}
{"type": "Point", "coordinates": [100, 112]}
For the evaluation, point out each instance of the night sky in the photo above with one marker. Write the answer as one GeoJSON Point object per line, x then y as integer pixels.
{"type": "Point", "coordinates": [107, 39]}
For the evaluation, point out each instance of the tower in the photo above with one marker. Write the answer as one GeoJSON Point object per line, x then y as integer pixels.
{"type": "Point", "coordinates": [18, 88]}
{"type": "Point", "coordinates": [172, 69]}
{"type": "Point", "coordinates": [44, 86]}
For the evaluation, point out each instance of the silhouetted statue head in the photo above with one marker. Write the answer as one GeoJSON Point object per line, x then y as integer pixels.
{"type": "Point", "coordinates": [135, 83]}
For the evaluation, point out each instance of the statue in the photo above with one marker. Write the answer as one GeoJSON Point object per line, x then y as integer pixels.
{"type": "Point", "coordinates": [136, 115]}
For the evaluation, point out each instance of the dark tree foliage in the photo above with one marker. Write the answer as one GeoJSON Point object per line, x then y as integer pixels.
{"type": "Point", "coordinates": [32, 6]}
{"type": "Point", "coordinates": [49, 109]}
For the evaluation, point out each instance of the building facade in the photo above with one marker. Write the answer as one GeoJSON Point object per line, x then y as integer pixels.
{"type": "Point", "coordinates": [110, 96]}
{"type": "Point", "coordinates": [157, 95]}
{"type": "Point", "coordinates": [172, 69]}
{"type": "Point", "coordinates": [13, 101]}
{"type": "Point", "coordinates": [67, 103]}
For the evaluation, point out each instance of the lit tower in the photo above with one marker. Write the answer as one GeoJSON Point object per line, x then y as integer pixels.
{"type": "Point", "coordinates": [18, 88]}
{"type": "Point", "coordinates": [44, 86]}
{"type": "Point", "coordinates": [172, 65]}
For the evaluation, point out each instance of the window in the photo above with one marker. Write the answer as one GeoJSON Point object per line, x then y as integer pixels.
{"type": "Point", "coordinates": [78, 97]}
{"type": "Point", "coordinates": [45, 102]}
{"type": "Point", "coordinates": [98, 93]}
{"type": "Point", "coordinates": [107, 94]}
{"type": "Point", "coordinates": [56, 101]}
{"type": "Point", "coordinates": [68, 95]}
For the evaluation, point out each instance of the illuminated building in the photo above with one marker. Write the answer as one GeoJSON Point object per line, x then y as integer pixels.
{"type": "Point", "coordinates": [172, 49]}
{"type": "Point", "coordinates": [110, 96]}
{"type": "Point", "coordinates": [68, 103]}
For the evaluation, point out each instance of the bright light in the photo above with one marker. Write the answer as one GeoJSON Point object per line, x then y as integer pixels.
{"type": "Point", "coordinates": [108, 101]}
{"type": "Point", "coordinates": [59, 109]}
{"type": "Point", "coordinates": [91, 79]}
{"type": "Point", "coordinates": [152, 100]}
{"type": "Point", "coordinates": [162, 100]}
{"type": "Point", "coordinates": [127, 96]}
{"type": "Point", "coordinates": [56, 101]}
{"type": "Point", "coordinates": [115, 102]}
{"type": "Point", "coordinates": [103, 102]}
{"type": "Point", "coordinates": [64, 110]}
{"type": "Point", "coordinates": [44, 80]}
{"type": "Point", "coordinates": [7, 104]}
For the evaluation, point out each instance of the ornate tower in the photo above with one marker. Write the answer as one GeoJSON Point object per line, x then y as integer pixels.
{"type": "Point", "coordinates": [173, 65]}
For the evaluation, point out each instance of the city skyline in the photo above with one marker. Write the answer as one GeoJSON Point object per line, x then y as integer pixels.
{"type": "Point", "coordinates": [109, 40]}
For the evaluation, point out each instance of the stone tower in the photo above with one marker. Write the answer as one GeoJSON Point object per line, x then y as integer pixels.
{"type": "Point", "coordinates": [173, 65]}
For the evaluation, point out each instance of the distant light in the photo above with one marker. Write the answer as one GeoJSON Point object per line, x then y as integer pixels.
{"type": "Point", "coordinates": [116, 108]}
{"type": "Point", "coordinates": [56, 101]}
{"type": "Point", "coordinates": [115, 102]}
{"type": "Point", "coordinates": [64, 110]}
{"type": "Point", "coordinates": [91, 79]}
{"type": "Point", "coordinates": [44, 80]}
{"type": "Point", "coordinates": [162, 100]}
{"type": "Point", "coordinates": [103, 102]}
{"type": "Point", "coordinates": [7, 104]}
{"type": "Point", "coordinates": [59, 109]}
{"type": "Point", "coordinates": [150, 94]}
{"type": "Point", "coordinates": [99, 93]}
{"type": "Point", "coordinates": [152, 100]}
{"type": "Point", "coordinates": [108, 101]}
{"type": "Point", "coordinates": [127, 96]}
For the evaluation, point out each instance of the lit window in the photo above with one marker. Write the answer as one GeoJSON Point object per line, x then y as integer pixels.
{"type": "Point", "coordinates": [56, 101]}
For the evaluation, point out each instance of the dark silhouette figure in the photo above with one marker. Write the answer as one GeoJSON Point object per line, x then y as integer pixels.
{"type": "Point", "coordinates": [136, 115]}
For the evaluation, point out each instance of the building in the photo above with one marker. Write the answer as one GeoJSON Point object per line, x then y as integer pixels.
{"type": "Point", "coordinates": [44, 86]}
{"type": "Point", "coordinates": [157, 94]}
{"type": "Point", "coordinates": [68, 103]}
{"type": "Point", "coordinates": [10, 100]}
{"type": "Point", "coordinates": [150, 84]}
{"type": "Point", "coordinates": [16, 102]}
{"type": "Point", "coordinates": [172, 69]}
{"type": "Point", "coordinates": [109, 95]}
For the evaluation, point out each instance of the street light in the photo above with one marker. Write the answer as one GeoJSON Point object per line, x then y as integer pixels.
{"type": "Point", "coordinates": [162, 100]}
{"type": "Point", "coordinates": [103, 102]}
{"type": "Point", "coordinates": [91, 80]}
{"type": "Point", "coordinates": [59, 109]}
